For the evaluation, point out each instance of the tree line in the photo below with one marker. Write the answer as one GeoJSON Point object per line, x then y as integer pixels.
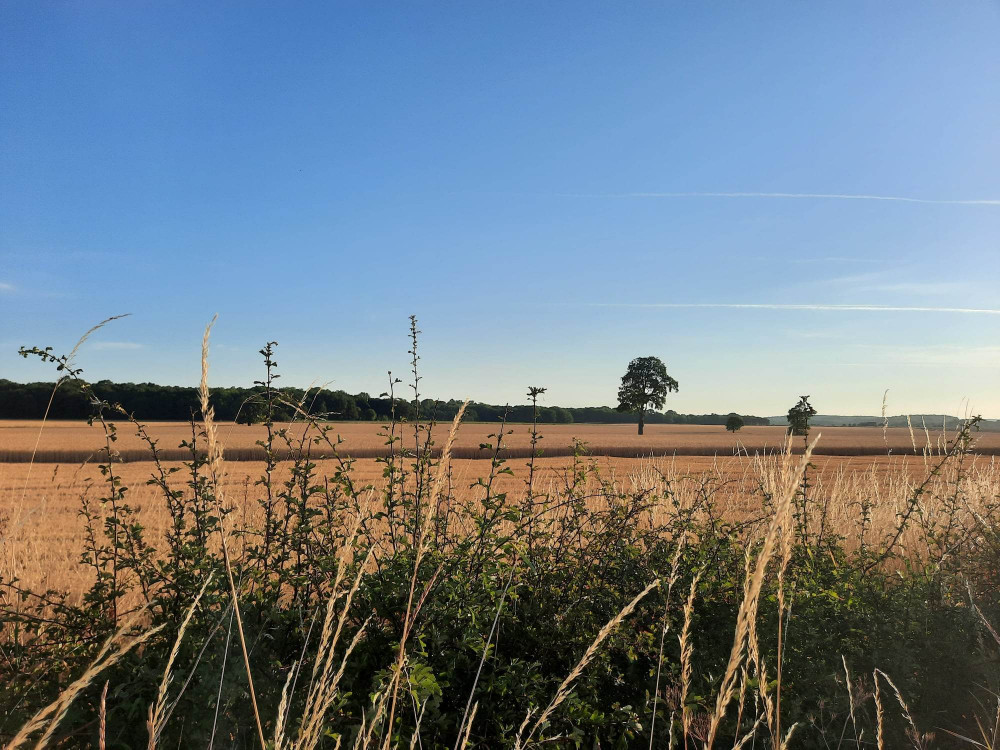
{"type": "Point", "coordinates": [152, 402]}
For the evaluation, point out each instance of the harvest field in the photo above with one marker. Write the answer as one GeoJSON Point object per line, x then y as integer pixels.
{"type": "Point", "coordinates": [67, 442]}
{"type": "Point", "coordinates": [44, 531]}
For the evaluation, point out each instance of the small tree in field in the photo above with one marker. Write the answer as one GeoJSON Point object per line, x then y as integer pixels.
{"type": "Point", "coordinates": [250, 413]}
{"type": "Point", "coordinates": [799, 416]}
{"type": "Point", "coordinates": [734, 423]}
{"type": "Point", "coordinates": [645, 385]}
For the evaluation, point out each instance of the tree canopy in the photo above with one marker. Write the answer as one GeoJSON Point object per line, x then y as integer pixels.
{"type": "Point", "coordinates": [799, 415]}
{"type": "Point", "coordinates": [152, 402]}
{"type": "Point", "coordinates": [645, 385]}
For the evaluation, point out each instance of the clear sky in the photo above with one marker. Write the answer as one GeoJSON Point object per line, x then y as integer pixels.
{"type": "Point", "coordinates": [552, 188]}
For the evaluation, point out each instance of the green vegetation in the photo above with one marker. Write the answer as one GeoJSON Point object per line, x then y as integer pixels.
{"type": "Point", "coordinates": [155, 403]}
{"type": "Point", "coordinates": [591, 613]}
{"type": "Point", "coordinates": [799, 416]}
{"type": "Point", "coordinates": [735, 423]}
{"type": "Point", "coordinates": [645, 386]}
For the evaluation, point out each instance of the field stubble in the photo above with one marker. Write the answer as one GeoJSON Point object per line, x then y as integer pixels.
{"type": "Point", "coordinates": [75, 442]}
{"type": "Point", "coordinates": [40, 505]}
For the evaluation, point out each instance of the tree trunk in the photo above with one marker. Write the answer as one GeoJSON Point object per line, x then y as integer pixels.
{"type": "Point", "coordinates": [642, 415]}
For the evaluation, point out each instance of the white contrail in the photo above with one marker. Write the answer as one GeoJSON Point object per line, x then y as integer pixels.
{"type": "Point", "coordinates": [814, 196]}
{"type": "Point", "coordinates": [838, 308]}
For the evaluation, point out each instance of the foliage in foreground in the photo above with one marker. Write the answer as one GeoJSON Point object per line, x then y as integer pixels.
{"type": "Point", "coordinates": [418, 613]}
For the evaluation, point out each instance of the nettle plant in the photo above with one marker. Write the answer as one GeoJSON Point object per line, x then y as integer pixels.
{"type": "Point", "coordinates": [424, 610]}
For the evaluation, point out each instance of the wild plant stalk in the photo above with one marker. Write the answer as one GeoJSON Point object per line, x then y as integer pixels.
{"type": "Point", "coordinates": [748, 608]}
{"type": "Point", "coordinates": [533, 393]}
{"type": "Point", "coordinates": [216, 467]}
{"type": "Point", "coordinates": [222, 676]}
{"type": "Point", "coordinates": [755, 657]}
{"type": "Point", "coordinates": [564, 689]}
{"type": "Point", "coordinates": [674, 574]}
{"type": "Point", "coordinates": [468, 727]}
{"type": "Point", "coordinates": [323, 684]}
{"type": "Point", "coordinates": [466, 715]}
{"type": "Point", "coordinates": [919, 740]}
{"type": "Point", "coordinates": [879, 715]}
{"type": "Point", "coordinates": [885, 421]}
{"type": "Point", "coordinates": [786, 556]}
{"type": "Point", "coordinates": [421, 547]}
{"type": "Point", "coordinates": [71, 372]}
{"type": "Point", "coordinates": [158, 710]}
{"type": "Point", "coordinates": [850, 706]}
{"type": "Point", "coordinates": [114, 648]}
{"type": "Point", "coordinates": [687, 649]}
{"type": "Point", "coordinates": [102, 726]}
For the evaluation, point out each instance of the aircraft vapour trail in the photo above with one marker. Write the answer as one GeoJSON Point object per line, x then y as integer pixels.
{"type": "Point", "coordinates": [814, 196]}
{"type": "Point", "coordinates": [836, 308]}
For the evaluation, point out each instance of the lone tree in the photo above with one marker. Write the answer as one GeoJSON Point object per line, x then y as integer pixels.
{"type": "Point", "coordinates": [645, 385]}
{"type": "Point", "coordinates": [799, 415]}
{"type": "Point", "coordinates": [734, 423]}
{"type": "Point", "coordinates": [250, 413]}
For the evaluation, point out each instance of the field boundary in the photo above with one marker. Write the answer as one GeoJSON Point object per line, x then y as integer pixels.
{"type": "Point", "coordinates": [139, 455]}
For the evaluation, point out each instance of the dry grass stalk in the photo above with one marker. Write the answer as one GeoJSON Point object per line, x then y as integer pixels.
{"type": "Point", "coordinates": [879, 715]}
{"type": "Point", "coordinates": [750, 734]}
{"type": "Point", "coordinates": [687, 649]}
{"type": "Point", "coordinates": [102, 729]}
{"type": "Point", "coordinates": [68, 367]}
{"type": "Point", "coordinates": [787, 537]}
{"type": "Point", "coordinates": [157, 711]}
{"type": "Point", "coordinates": [919, 740]}
{"type": "Point", "coordinates": [323, 687]}
{"type": "Point", "coordinates": [748, 608]}
{"type": "Point", "coordinates": [279, 725]}
{"type": "Point", "coordinates": [753, 650]}
{"type": "Point", "coordinates": [850, 701]}
{"type": "Point", "coordinates": [741, 701]}
{"type": "Point", "coordinates": [788, 736]}
{"type": "Point", "coordinates": [110, 653]}
{"type": "Point", "coordinates": [755, 658]}
{"type": "Point", "coordinates": [468, 726]}
{"type": "Point", "coordinates": [216, 469]}
{"type": "Point", "coordinates": [674, 574]}
{"type": "Point", "coordinates": [982, 617]}
{"type": "Point", "coordinates": [566, 686]}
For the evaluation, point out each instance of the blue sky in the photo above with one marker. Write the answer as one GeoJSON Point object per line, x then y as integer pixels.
{"type": "Point", "coordinates": [545, 185]}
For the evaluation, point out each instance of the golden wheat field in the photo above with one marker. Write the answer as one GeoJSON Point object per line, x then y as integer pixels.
{"type": "Point", "coordinates": [70, 442]}
{"type": "Point", "coordinates": [42, 524]}
{"type": "Point", "coordinates": [41, 502]}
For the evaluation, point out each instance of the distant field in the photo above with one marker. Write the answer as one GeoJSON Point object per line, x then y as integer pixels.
{"type": "Point", "coordinates": [40, 504]}
{"type": "Point", "coordinates": [67, 442]}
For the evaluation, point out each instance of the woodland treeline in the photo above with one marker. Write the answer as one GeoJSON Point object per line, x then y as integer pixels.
{"type": "Point", "coordinates": [152, 402]}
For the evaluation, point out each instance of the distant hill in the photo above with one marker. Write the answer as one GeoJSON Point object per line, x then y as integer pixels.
{"type": "Point", "coordinates": [932, 421]}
